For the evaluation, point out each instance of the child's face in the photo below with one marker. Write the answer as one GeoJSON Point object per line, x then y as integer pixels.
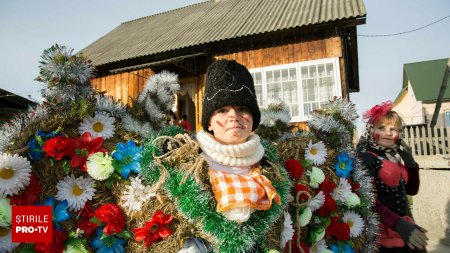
{"type": "Point", "coordinates": [386, 134]}
{"type": "Point", "coordinates": [231, 124]}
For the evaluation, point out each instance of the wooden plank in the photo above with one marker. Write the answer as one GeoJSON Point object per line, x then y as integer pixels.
{"type": "Point", "coordinates": [436, 141]}
{"type": "Point", "coordinates": [298, 51]}
{"type": "Point", "coordinates": [424, 141]}
{"type": "Point", "coordinates": [431, 139]}
{"type": "Point", "coordinates": [320, 49]}
{"type": "Point", "coordinates": [333, 47]}
{"type": "Point", "coordinates": [447, 141]}
{"type": "Point", "coordinates": [109, 85]}
{"type": "Point", "coordinates": [442, 140]}
{"type": "Point", "coordinates": [134, 87]}
{"type": "Point", "coordinates": [285, 50]}
{"type": "Point", "coordinates": [124, 87]}
{"type": "Point", "coordinates": [258, 58]}
{"type": "Point", "coordinates": [411, 141]}
{"type": "Point", "coordinates": [103, 86]}
{"type": "Point", "coordinates": [290, 53]}
{"type": "Point", "coordinates": [251, 59]}
{"type": "Point", "coordinates": [245, 59]}
{"type": "Point", "coordinates": [117, 89]}
{"type": "Point", "coordinates": [278, 55]}
{"type": "Point", "coordinates": [304, 51]}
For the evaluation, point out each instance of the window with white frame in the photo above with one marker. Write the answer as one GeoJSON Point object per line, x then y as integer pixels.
{"type": "Point", "coordinates": [303, 86]}
{"type": "Point", "coordinates": [447, 118]}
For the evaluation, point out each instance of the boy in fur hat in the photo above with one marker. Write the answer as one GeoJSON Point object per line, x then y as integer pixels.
{"type": "Point", "coordinates": [230, 115]}
{"type": "Point", "coordinates": [228, 144]}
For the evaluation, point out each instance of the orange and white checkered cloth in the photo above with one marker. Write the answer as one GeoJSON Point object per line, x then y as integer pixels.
{"type": "Point", "coordinates": [233, 190]}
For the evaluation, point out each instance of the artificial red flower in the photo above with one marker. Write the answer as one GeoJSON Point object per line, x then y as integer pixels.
{"type": "Point", "coordinates": [295, 168]}
{"type": "Point", "coordinates": [85, 146]}
{"type": "Point", "coordinates": [112, 216]}
{"type": "Point", "coordinates": [378, 111]}
{"type": "Point", "coordinates": [328, 206]}
{"type": "Point", "coordinates": [305, 194]}
{"type": "Point", "coordinates": [295, 248]}
{"type": "Point", "coordinates": [57, 244]}
{"type": "Point", "coordinates": [355, 186]}
{"type": "Point", "coordinates": [30, 195]}
{"type": "Point", "coordinates": [340, 230]}
{"type": "Point", "coordinates": [327, 186]}
{"type": "Point", "coordinates": [87, 226]}
{"type": "Point", "coordinates": [154, 230]}
{"type": "Point", "coordinates": [59, 147]}
{"type": "Point", "coordinates": [86, 211]}
{"type": "Point", "coordinates": [84, 223]}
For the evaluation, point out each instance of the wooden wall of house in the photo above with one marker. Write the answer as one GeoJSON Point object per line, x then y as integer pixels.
{"type": "Point", "coordinates": [124, 86]}
{"type": "Point", "coordinates": [296, 50]}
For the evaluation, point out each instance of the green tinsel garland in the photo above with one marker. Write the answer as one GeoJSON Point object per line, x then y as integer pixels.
{"type": "Point", "coordinates": [197, 204]}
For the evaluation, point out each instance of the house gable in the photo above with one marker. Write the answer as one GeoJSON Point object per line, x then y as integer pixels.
{"type": "Point", "coordinates": [426, 79]}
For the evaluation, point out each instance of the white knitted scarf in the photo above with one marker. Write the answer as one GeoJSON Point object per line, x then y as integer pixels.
{"type": "Point", "coordinates": [239, 155]}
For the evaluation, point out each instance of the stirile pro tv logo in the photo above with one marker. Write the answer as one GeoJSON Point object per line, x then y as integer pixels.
{"type": "Point", "coordinates": [32, 224]}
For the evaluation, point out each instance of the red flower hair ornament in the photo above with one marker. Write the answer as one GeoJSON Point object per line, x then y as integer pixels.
{"type": "Point", "coordinates": [377, 112]}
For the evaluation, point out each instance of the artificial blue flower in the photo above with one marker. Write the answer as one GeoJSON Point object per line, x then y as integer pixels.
{"type": "Point", "coordinates": [59, 212]}
{"type": "Point", "coordinates": [341, 248]}
{"type": "Point", "coordinates": [35, 149]}
{"type": "Point", "coordinates": [107, 244]}
{"type": "Point", "coordinates": [127, 158]}
{"type": "Point", "coordinates": [344, 166]}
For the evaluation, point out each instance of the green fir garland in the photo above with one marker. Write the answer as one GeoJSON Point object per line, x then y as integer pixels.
{"type": "Point", "coordinates": [196, 204]}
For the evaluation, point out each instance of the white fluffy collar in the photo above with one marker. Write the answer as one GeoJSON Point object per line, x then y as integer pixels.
{"type": "Point", "coordinates": [245, 154]}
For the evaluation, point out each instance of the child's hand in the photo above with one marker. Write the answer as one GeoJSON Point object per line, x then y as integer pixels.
{"type": "Point", "coordinates": [406, 154]}
{"type": "Point", "coordinates": [413, 235]}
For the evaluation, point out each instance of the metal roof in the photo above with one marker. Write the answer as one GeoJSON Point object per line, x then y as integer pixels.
{"type": "Point", "coordinates": [215, 21]}
{"type": "Point", "coordinates": [426, 79]}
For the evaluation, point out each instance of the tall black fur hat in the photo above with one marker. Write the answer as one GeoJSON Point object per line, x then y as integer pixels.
{"type": "Point", "coordinates": [229, 83]}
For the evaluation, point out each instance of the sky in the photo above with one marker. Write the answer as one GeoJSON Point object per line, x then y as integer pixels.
{"type": "Point", "coordinates": [28, 27]}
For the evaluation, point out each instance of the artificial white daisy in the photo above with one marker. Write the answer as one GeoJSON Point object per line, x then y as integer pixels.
{"type": "Point", "coordinates": [305, 216]}
{"type": "Point", "coordinates": [6, 244]}
{"type": "Point", "coordinates": [355, 222]}
{"type": "Point", "coordinates": [288, 230]}
{"type": "Point", "coordinates": [318, 247]}
{"type": "Point", "coordinates": [14, 174]}
{"type": "Point", "coordinates": [99, 166]}
{"type": "Point", "coordinates": [76, 191]}
{"type": "Point", "coordinates": [136, 194]}
{"type": "Point", "coordinates": [353, 200]}
{"type": "Point", "coordinates": [101, 125]}
{"type": "Point", "coordinates": [316, 177]}
{"type": "Point", "coordinates": [342, 191]}
{"type": "Point", "coordinates": [5, 213]}
{"type": "Point", "coordinates": [317, 201]}
{"type": "Point", "coordinates": [316, 152]}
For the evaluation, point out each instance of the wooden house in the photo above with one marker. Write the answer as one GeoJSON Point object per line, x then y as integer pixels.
{"type": "Point", "coordinates": [11, 104]}
{"type": "Point", "coordinates": [301, 51]}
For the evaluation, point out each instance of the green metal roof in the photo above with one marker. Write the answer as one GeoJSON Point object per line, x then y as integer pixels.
{"type": "Point", "coordinates": [214, 21]}
{"type": "Point", "coordinates": [426, 79]}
